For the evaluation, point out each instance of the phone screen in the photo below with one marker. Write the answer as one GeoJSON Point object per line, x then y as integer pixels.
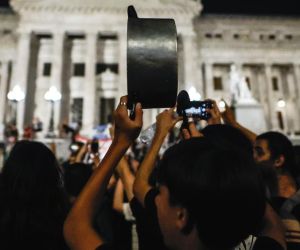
{"type": "Point", "coordinates": [95, 146]}
{"type": "Point", "coordinates": [198, 109]}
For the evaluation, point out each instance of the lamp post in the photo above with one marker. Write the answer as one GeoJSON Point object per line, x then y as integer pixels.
{"type": "Point", "coordinates": [15, 95]}
{"type": "Point", "coordinates": [52, 95]}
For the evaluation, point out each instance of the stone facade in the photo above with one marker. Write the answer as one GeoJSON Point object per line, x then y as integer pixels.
{"type": "Point", "coordinates": [80, 47]}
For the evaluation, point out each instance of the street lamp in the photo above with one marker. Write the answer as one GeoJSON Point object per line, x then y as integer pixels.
{"type": "Point", "coordinates": [15, 95]}
{"type": "Point", "coordinates": [281, 103]}
{"type": "Point", "coordinates": [52, 95]}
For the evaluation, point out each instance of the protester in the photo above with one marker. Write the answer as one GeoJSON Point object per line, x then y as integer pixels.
{"type": "Point", "coordinates": [33, 201]}
{"type": "Point", "coordinates": [78, 229]}
{"type": "Point", "coordinates": [275, 153]}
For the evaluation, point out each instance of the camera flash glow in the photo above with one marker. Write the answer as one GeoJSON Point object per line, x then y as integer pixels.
{"type": "Point", "coordinates": [194, 95]}
{"type": "Point", "coordinates": [281, 103]}
{"type": "Point", "coordinates": [221, 104]}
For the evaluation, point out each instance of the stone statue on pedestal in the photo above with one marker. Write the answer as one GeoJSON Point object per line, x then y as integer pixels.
{"type": "Point", "coordinates": [240, 92]}
{"type": "Point", "coordinates": [248, 111]}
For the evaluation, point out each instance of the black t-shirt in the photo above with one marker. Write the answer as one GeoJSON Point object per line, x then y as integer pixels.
{"type": "Point", "coordinates": [262, 243]}
{"type": "Point", "coordinates": [147, 227]}
{"type": "Point", "coordinates": [266, 243]}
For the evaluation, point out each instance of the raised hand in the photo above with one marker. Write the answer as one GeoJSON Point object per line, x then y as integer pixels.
{"type": "Point", "coordinates": [125, 128]}
{"type": "Point", "coordinates": [215, 114]}
{"type": "Point", "coordinates": [165, 121]}
{"type": "Point", "coordinates": [228, 115]}
{"type": "Point", "coordinates": [191, 131]}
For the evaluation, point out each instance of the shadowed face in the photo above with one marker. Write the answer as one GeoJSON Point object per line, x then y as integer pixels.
{"type": "Point", "coordinates": [261, 152]}
{"type": "Point", "coordinates": [167, 216]}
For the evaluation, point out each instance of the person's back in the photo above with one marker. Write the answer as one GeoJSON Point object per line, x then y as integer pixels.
{"type": "Point", "coordinates": [33, 204]}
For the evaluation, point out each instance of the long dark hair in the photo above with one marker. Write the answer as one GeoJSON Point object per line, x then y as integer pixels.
{"type": "Point", "coordinates": [33, 204]}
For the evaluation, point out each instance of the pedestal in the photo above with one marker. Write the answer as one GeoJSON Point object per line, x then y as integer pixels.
{"type": "Point", "coordinates": [251, 116]}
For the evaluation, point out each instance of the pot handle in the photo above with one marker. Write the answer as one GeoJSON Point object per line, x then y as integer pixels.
{"type": "Point", "coordinates": [131, 12]}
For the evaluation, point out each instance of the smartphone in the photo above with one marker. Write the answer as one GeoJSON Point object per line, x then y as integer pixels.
{"type": "Point", "coordinates": [95, 146]}
{"type": "Point", "coordinates": [198, 110]}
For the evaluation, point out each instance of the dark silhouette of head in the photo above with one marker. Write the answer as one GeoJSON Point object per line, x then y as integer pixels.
{"type": "Point", "coordinates": [278, 145]}
{"type": "Point", "coordinates": [32, 198]}
{"type": "Point", "coordinates": [226, 136]}
{"type": "Point", "coordinates": [76, 176]}
{"type": "Point", "coordinates": [221, 188]}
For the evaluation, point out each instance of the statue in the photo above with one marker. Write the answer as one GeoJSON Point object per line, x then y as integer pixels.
{"type": "Point", "coordinates": [240, 92]}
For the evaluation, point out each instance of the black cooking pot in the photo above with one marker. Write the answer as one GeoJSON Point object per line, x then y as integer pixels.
{"type": "Point", "coordinates": [151, 61]}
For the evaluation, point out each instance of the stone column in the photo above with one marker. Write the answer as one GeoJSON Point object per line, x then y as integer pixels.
{"type": "Point", "coordinates": [122, 89]}
{"type": "Point", "coordinates": [272, 120]}
{"type": "Point", "coordinates": [208, 72]}
{"type": "Point", "coordinates": [296, 71]}
{"type": "Point", "coordinates": [200, 85]}
{"type": "Point", "coordinates": [192, 69]}
{"type": "Point", "coordinates": [3, 90]}
{"type": "Point", "coordinates": [57, 71]}
{"type": "Point", "coordinates": [21, 72]}
{"type": "Point", "coordinates": [262, 88]}
{"type": "Point", "coordinates": [292, 116]}
{"type": "Point", "coordinates": [89, 102]}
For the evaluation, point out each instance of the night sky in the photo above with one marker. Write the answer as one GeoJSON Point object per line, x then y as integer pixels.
{"type": "Point", "coordinates": [252, 7]}
{"type": "Point", "coordinates": [260, 7]}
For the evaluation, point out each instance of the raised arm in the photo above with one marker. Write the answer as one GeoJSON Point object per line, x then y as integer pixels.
{"type": "Point", "coordinates": [164, 122]}
{"type": "Point", "coordinates": [118, 197]}
{"type": "Point", "coordinates": [126, 177]}
{"type": "Point", "coordinates": [78, 228]}
{"type": "Point", "coordinates": [228, 118]}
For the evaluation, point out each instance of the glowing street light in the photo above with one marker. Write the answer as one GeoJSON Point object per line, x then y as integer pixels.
{"type": "Point", "coordinates": [52, 96]}
{"type": "Point", "coordinates": [221, 104]}
{"type": "Point", "coordinates": [15, 95]}
{"type": "Point", "coordinates": [281, 103]}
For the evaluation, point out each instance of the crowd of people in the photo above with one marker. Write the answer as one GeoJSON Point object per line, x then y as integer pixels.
{"type": "Point", "coordinates": [220, 187]}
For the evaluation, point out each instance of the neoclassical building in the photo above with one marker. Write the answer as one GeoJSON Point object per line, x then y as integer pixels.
{"type": "Point", "coordinates": [80, 48]}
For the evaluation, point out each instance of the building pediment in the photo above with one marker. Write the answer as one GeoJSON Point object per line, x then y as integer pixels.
{"type": "Point", "coordinates": [144, 7]}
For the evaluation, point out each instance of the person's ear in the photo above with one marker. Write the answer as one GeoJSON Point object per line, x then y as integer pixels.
{"type": "Point", "coordinates": [278, 163]}
{"type": "Point", "coordinates": [184, 222]}
{"type": "Point", "coordinates": [182, 218]}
